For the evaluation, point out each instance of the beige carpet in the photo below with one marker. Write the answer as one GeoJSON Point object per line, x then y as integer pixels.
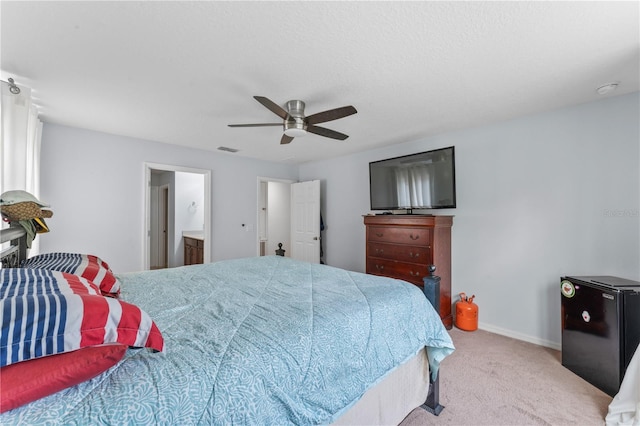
{"type": "Point", "coordinates": [495, 380]}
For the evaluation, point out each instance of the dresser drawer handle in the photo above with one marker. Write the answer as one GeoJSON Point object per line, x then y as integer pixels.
{"type": "Point", "coordinates": [379, 234]}
{"type": "Point", "coordinates": [379, 251]}
{"type": "Point", "coordinates": [417, 274]}
{"type": "Point", "coordinates": [414, 237]}
{"type": "Point", "coordinates": [414, 255]}
{"type": "Point", "coordinates": [379, 267]}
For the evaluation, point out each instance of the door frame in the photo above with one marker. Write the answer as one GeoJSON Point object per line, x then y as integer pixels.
{"type": "Point", "coordinates": [146, 228]}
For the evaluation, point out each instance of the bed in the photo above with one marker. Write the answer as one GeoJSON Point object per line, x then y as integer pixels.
{"type": "Point", "coordinates": [624, 409]}
{"type": "Point", "coordinates": [265, 340]}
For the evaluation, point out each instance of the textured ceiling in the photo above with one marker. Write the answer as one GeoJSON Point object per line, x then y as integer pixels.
{"type": "Point", "coordinates": [179, 72]}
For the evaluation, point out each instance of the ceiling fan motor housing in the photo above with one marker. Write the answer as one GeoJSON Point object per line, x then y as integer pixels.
{"type": "Point", "coordinates": [295, 124]}
{"type": "Point", "coordinates": [295, 108]}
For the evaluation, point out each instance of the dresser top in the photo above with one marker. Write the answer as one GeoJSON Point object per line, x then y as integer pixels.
{"type": "Point", "coordinates": [408, 220]}
{"type": "Point", "coordinates": [196, 235]}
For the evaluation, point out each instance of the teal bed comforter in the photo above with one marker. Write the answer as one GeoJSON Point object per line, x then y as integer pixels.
{"type": "Point", "coordinates": [261, 341]}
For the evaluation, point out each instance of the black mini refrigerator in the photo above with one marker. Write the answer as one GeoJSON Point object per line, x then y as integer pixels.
{"type": "Point", "coordinates": [600, 328]}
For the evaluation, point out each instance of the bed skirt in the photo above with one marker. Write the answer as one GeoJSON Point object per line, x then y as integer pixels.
{"type": "Point", "coordinates": [394, 397]}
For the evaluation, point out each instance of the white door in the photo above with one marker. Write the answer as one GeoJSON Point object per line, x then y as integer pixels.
{"type": "Point", "coordinates": [154, 262]}
{"type": "Point", "coordinates": [305, 221]}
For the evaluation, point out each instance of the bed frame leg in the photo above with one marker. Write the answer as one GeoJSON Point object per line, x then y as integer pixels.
{"type": "Point", "coordinates": [432, 404]}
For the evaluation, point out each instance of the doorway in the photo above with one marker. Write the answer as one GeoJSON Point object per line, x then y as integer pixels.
{"type": "Point", "coordinates": [289, 219]}
{"type": "Point", "coordinates": [274, 216]}
{"type": "Point", "coordinates": [177, 200]}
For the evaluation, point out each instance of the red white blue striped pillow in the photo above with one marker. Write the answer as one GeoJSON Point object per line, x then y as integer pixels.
{"type": "Point", "coordinates": [46, 312]}
{"type": "Point", "coordinates": [86, 265]}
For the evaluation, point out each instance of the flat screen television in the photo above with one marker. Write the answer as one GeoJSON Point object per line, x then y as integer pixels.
{"type": "Point", "coordinates": [426, 180]}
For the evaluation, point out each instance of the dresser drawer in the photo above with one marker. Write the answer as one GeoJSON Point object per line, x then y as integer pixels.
{"type": "Point", "coordinates": [399, 235]}
{"type": "Point", "coordinates": [401, 252]}
{"type": "Point", "coordinates": [411, 272]}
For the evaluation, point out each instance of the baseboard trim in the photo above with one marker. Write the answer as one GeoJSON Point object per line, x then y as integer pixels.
{"type": "Point", "coordinates": [519, 336]}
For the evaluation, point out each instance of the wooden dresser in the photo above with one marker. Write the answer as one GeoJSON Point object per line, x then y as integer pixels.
{"type": "Point", "coordinates": [403, 247]}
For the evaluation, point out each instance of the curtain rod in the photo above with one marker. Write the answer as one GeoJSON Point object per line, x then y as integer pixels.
{"type": "Point", "coordinates": [12, 86]}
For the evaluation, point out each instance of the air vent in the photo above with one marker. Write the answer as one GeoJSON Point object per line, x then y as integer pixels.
{"type": "Point", "coordinates": [224, 148]}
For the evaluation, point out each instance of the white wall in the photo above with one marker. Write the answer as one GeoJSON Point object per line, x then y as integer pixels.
{"type": "Point", "coordinates": [538, 197]}
{"type": "Point", "coordinates": [95, 184]}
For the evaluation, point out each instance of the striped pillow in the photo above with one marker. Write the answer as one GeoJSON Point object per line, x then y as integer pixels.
{"type": "Point", "coordinates": [47, 312]}
{"type": "Point", "coordinates": [86, 265]}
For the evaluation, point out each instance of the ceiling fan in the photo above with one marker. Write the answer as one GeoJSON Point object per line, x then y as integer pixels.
{"type": "Point", "coordinates": [295, 124]}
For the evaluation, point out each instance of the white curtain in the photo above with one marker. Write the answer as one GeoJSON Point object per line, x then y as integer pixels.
{"type": "Point", "coordinates": [20, 135]}
{"type": "Point", "coordinates": [414, 186]}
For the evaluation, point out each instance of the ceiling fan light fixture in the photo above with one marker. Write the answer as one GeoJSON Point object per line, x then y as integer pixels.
{"type": "Point", "coordinates": [295, 127]}
{"type": "Point", "coordinates": [295, 132]}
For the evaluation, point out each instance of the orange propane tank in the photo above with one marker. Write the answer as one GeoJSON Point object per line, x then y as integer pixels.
{"type": "Point", "coordinates": [466, 313]}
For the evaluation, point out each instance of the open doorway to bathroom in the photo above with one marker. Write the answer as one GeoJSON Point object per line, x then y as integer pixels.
{"type": "Point", "coordinates": [177, 203]}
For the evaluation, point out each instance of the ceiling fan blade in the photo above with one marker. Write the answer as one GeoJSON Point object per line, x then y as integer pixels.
{"type": "Point", "coordinates": [332, 114]}
{"type": "Point", "coordinates": [272, 106]}
{"type": "Point", "coordinates": [327, 132]}
{"type": "Point", "coordinates": [285, 139]}
{"type": "Point", "coordinates": [255, 125]}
